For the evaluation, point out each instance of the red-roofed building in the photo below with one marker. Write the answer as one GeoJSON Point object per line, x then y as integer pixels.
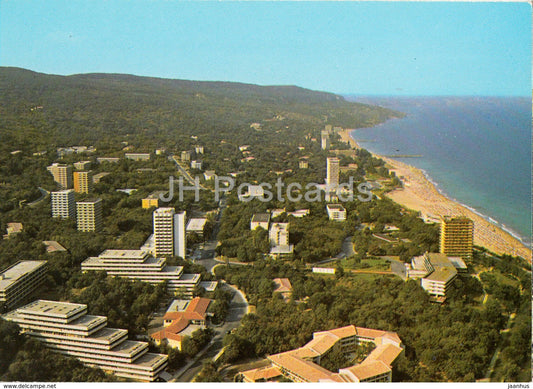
{"type": "Point", "coordinates": [195, 313]}
{"type": "Point", "coordinates": [303, 364]}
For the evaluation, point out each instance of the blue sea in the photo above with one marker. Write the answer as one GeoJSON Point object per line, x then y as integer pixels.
{"type": "Point", "coordinates": [476, 150]}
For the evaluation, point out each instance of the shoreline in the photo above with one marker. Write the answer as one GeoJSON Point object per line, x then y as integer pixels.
{"type": "Point", "coordinates": [420, 194]}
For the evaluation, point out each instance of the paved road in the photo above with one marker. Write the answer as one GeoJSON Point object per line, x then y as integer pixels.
{"type": "Point", "coordinates": [44, 194]}
{"type": "Point", "coordinates": [346, 251]}
{"type": "Point", "coordinates": [185, 173]}
{"type": "Point", "coordinates": [238, 308]}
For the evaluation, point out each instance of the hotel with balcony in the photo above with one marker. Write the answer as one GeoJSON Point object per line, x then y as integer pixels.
{"type": "Point", "coordinates": [303, 364]}
{"type": "Point", "coordinates": [19, 281]}
{"type": "Point", "coordinates": [67, 329]}
{"type": "Point", "coordinates": [139, 265]}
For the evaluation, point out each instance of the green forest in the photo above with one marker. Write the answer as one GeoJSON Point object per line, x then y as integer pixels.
{"type": "Point", "coordinates": [489, 308]}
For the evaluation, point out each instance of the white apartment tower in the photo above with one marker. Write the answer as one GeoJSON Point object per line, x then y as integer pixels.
{"type": "Point", "coordinates": [332, 173]}
{"type": "Point", "coordinates": [169, 233]}
{"type": "Point", "coordinates": [63, 204]}
{"type": "Point", "coordinates": [325, 140]}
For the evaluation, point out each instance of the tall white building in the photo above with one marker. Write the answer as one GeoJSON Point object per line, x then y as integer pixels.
{"type": "Point", "coordinates": [139, 265]}
{"type": "Point", "coordinates": [332, 172]}
{"type": "Point", "coordinates": [63, 204]}
{"type": "Point", "coordinates": [67, 329]}
{"type": "Point", "coordinates": [169, 233]}
{"type": "Point", "coordinates": [325, 140]}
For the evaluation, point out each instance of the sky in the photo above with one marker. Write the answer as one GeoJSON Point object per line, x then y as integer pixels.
{"type": "Point", "coordinates": [364, 48]}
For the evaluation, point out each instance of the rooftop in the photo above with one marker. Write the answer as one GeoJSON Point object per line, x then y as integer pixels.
{"type": "Point", "coordinates": [15, 272]}
{"type": "Point", "coordinates": [89, 201]}
{"type": "Point", "coordinates": [52, 246]}
{"type": "Point", "coordinates": [282, 285]}
{"type": "Point", "coordinates": [335, 207]}
{"type": "Point", "coordinates": [196, 224]}
{"type": "Point", "coordinates": [118, 254]}
{"type": "Point", "coordinates": [260, 218]}
{"type": "Point", "coordinates": [368, 369]}
{"type": "Point", "coordinates": [52, 308]}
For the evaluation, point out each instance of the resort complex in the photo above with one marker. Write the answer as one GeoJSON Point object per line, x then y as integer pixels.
{"type": "Point", "coordinates": [140, 265]}
{"type": "Point", "coordinates": [67, 329]}
{"type": "Point", "coordinates": [457, 237]}
{"type": "Point", "coordinates": [303, 364]}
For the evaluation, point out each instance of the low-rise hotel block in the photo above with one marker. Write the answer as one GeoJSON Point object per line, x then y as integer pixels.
{"type": "Point", "coordinates": [303, 364]}
{"type": "Point", "coordinates": [139, 265]}
{"type": "Point", "coordinates": [19, 281]}
{"type": "Point", "coordinates": [436, 273]}
{"type": "Point", "coordinates": [260, 220]}
{"type": "Point", "coordinates": [67, 329]}
{"type": "Point", "coordinates": [336, 212]}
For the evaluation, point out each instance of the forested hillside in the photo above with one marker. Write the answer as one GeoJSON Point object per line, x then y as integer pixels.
{"type": "Point", "coordinates": [39, 110]}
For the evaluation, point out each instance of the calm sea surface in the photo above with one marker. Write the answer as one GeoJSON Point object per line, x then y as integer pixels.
{"type": "Point", "coordinates": [476, 150]}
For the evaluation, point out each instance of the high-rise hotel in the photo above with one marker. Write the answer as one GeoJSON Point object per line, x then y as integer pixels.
{"type": "Point", "coordinates": [83, 181]}
{"type": "Point", "coordinates": [63, 204]}
{"type": "Point", "coordinates": [89, 213]}
{"type": "Point", "coordinates": [457, 237]}
{"type": "Point", "coordinates": [62, 174]}
{"type": "Point", "coordinates": [332, 173]}
{"type": "Point", "coordinates": [169, 233]}
{"type": "Point", "coordinates": [67, 329]}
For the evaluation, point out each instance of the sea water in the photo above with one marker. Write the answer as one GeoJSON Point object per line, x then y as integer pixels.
{"type": "Point", "coordinates": [476, 150]}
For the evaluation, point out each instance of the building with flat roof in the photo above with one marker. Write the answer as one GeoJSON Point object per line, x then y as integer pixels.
{"type": "Point", "coordinates": [67, 329]}
{"type": "Point", "coordinates": [82, 165]}
{"type": "Point", "coordinates": [19, 281]}
{"type": "Point", "coordinates": [196, 165]}
{"type": "Point", "coordinates": [169, 233]}
{"type": "Point", "coordinates": [89, 215]}
{"type": "Point", "coordinates": [324, 137]}
{"type": "Point", "coordinates": [83, 181]}
{"type": "Point", "coordinates": [137, 156]}
{"type": "Point", "coordinates": [260, 220]}
{"type": "Point", "coordinates": [53, 246]}
{"type": "Point", "coordinates": [303, 164]}
{"type": "Point", "coordinates": [99, 176]}
{"type": "Point", "coordinates": [436, 273]}
{"type": "Point", "coordinates": [153, 199]}
{"type": "Point", "coordinates": [63, 204]}
{"type": "Point", "coordinates": [457, 237]}
{"type": "Point", "coordinates": [140, 265]}
{"type": "Point", "coordinates": [62, 174]}
{"type": "Point", "coordinates": [303, 364]}
{"type": "Point", "coordinates": [185, 156]}
{"type": "Point", "coordinates": [336, 212]}
{"type": "Point", "coordinates": [196, 225]}
{"type": "Point", "coordinates": [279, 239]}
{"type": "Point", "coordinates": [209, 175]}
{"type": "Point", "coordinates": [177, 322]}
{"type": "Point", "coordinates": [108, 159]}
{"type": "Point", "coordinates": [332, 173]}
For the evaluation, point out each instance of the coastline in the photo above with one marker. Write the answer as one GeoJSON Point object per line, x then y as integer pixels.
{"type": "Point", "coordinates": [420, 194]}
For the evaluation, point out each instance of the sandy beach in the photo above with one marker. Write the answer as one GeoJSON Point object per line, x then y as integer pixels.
{"type": "Point", "coordinates": [419, 194]}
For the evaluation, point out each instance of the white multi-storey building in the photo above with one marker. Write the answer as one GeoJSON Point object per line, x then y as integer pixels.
{"type": "Point", "coordinates": [169, 233]}
{"type": "Point", "coordinates": [139, 265]}
{"type": "Point", "coordinates": [279, 239]}
{"type": "Point", "coordinates": [332, 173]}
{"type": "Point", "coordinates": [67, 329]}
{"type": "Point", "coordinates": [19, 281]}
{"type": "Point", "coordinates": [336, 212]}
{"type": "Point", "coordinates": [63, 204]}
